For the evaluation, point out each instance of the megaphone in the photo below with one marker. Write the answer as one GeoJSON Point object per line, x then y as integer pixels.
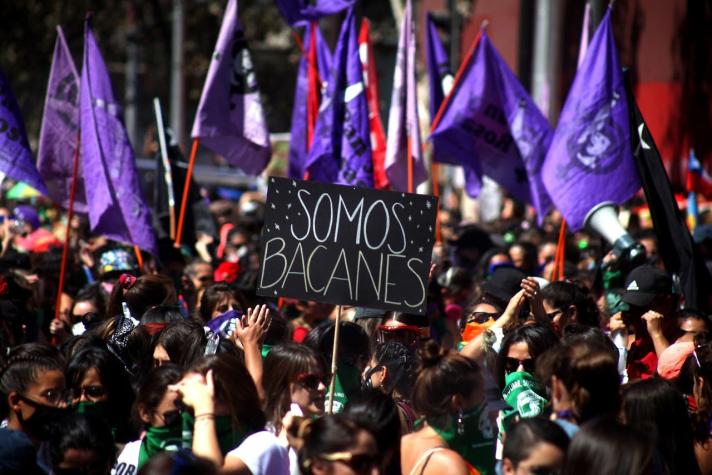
{"type": "Point", "coordinates": [603, 219]}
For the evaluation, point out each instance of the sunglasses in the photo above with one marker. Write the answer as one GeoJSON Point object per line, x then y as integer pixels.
{"type": "Point", "coordinates": [91, 392]}
{"type": "Point", "coordinates": [544, 470]}
{"type": "Point", "coordinates": [359, 463]}
{"type": "Point", "coordinates": [511, 365]}
{"type": "Point", "coordinates": [312, 381]}
{"type": "Point", "coordinates": [482, 317]}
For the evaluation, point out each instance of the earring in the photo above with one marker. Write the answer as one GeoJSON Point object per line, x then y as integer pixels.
{"type": "Point", "coordinates": [460, 423]}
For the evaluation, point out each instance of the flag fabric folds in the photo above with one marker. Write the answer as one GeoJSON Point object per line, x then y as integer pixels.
{"type": "Point", "coordinates": [378, 134]}
{"type": "Point", "coordinates": [589, 162]}
{"type": "Point", "coordinates": [675, 245]}
{"type": "Point", "coordinates": [301, 12]}
{"type": "Point", "coordinates": [491, 126]}
{"type": "Point", "coordinates": [115, 202]}
{"type": "Point", "coordinates": [341, 151]}
{"type": "Point", "coordinates": [230, 120]}
{"type": "Point", "coordinates": [312, 77]}
{"type": "Point", "coordinates": [16, 160]}
{"type": "Point", "coordinates": [404, 143]}
{"type": "Point", "coordinates": [59, 135]}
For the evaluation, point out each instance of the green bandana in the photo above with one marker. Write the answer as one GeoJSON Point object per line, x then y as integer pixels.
{"type": "Point", "coordinates": [159, 439]}
{"type": "Point", "coordinates": [476, 444]}
{"type": "Point", "coordinates": [526, 397]}
{"type": "Point", "coordinates": [348, 382]}
{"type": "Point", "coordinates": [265, 350]}
{"type": "Point", "coordinates": [100, 408]}
{"type": "Point", "coordinates": [228, 437]}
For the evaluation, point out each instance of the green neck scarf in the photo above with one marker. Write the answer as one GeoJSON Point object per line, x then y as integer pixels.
{"type": "Point", "coordinates": [348, 382]}
{"type": "Point", "coordinates": [229, 437]}
{"type": "Point", "coordinates": [476, 444]}
{"type": "Point", "coordinates": [159, 439]}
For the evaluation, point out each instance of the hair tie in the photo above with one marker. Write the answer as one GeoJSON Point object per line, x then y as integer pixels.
{"type": "Point", "coordinates": [153, 328]}
{"type": "Point", "coordinates": [127, 281]}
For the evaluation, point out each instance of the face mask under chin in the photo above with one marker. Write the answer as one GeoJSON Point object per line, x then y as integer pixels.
{"type": "Point", "coordinates": [42, 420]}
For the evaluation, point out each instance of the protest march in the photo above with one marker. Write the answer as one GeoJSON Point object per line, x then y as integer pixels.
{"type": "Point", "coordinates": [480, 283]}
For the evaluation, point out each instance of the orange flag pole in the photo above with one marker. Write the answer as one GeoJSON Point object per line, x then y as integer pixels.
{"type": "Point", "coordinates": [70, 216]}
{"type": "Point", "coordinates": [557, 272]}
{"type": "Point", "coordinates": [186, 189]}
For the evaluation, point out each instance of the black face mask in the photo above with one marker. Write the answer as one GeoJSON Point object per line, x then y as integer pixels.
{"type": "Point", "coordinates": [366, 383]}
{"type": "Point", "coordinates": [41, 422]}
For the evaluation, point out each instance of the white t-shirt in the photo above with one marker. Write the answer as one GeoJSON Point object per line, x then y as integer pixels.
{"type": "Point", "coordinates": [263, 454]}
{"type": "Point", "coordinates": [127, 463]}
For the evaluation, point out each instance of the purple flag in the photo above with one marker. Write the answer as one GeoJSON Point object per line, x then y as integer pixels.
{"type": "Point", "coordinates": [300, 12]}
{"type": "Point", "coordinates": [341, 151]}
{"type": "Point", "coordinates": [115, 201]}
{"type": "Point", "coordinates": [15, 156]}
{"type": "Point", "coordinates": [60, 129]}
{"type": "Point", "coordinates": [440, 78]}
{"type": "Point", "coordinates": [590, 160]}
{"type": "Point", "coordinates": [230, 120]}
{"type": "Point", "coordinates": [492, 126]}
{"type": "Point", "coordinates": [298, 142]}
{"type": "Point", "coordinates": [403, 125]}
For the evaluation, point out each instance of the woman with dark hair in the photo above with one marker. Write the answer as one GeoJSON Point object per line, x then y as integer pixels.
{"type": "Point", "coordinates": [457, 434]}
{"type": "Point", "coordinates": [294, 375]}
{"type": "Point", "coordinates": [570, 302]}
{"type": "Point", "coordinates": [89, 308]}
{"type": "Point", "coordinates": [220, 298]}
{"type": "Point", "coordinates": [225, 420]}
{"type": "Point", "coordinates": [156, 413]}
{"type": "Point", "coordinates": [334, 444]}
{"type": "Point", "coordinates": [392, 370]}
{"type": "Point", "coordinates": [379, 413]}
{"type": "Point", "coordinates": [605, 446]}
{"type": "Point", "coordinates": [140, 294]}
{"type": "Point", "coordinates": [181, 343]}
{"type": "Point", "coordinates": [100, 386]}
{"type": "Point", "coordinates": [33, 400]}
{"type": "Point", "coordinates": [534, 445]}
{"type": "Point", "coordinates": [521, 348]}
{"type": "Point", "coordinates": [654, 406]}
{"type": "Point", "coordinates": [351, 360]}
{"type": "Point", "coordinates": [583, 383]}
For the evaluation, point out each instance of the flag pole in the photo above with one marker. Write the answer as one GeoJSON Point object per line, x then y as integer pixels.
{"type": "Point", "coordinates": [334, 352]}
{"type": "Point", "coordinates": [435, 175]}
{"type": "Point", "coordinates": [409, 151]}
{"type": "Point", "coordinates": [557, 273]}
{"type": "Point", "coordinates": [186, 189]}
{"type": "Point", "coordinates": [70, 216]}
{"type": "Point", "coordinates": [167, 176]}
{"type": "Point", "coordinates": [139, 258]}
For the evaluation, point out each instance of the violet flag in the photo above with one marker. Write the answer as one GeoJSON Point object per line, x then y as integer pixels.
{"type": "Point", "coordinates": [300, 12]}
{"type": "Point", "coordinates": [301, 118]}
{"type": "Point", "coordinates": [590, 162]}
{"type": "Point", "coordinates": [341, 150]}
{"type": "Point", "coordinates": [59, 135]}
{"type": "Point", "coordinates": [230, 120]}
{"type": "Point", "coordinates": [403, 142]}
{"type": "Point", "coordinates": [16, 160]}
{"type": "Point", "coordinates": [115, 202]}
{"type": "Point", "coordinates": [441, 79]}
{"type": "Point", "coordinates": [492, 126]}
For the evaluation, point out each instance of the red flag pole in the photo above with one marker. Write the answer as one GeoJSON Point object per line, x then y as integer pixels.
{"type": "Point", "coordinates": [435, 175]}
{"type": "Point", "coordinates": [70, 216]}
{"type": "Point", "coordinates": [557, 273]}
{"type": "Point", "coordinates": [409, 151]}
{"type": "Point", "coordinates": [186, 189]}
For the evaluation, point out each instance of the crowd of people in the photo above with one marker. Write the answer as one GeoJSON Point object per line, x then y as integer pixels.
{"type": "Point", "coordinates": [172, 364]}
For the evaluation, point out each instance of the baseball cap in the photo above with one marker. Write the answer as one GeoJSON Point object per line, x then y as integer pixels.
{"type": "Point", "coordinates": [27, 214]}
{"type": "Point", "coordinates": [504, 283]}
{"type": "Point", "coordinates": [116, 260]}
{"type": "Point", "coordinates": [364, 313]}
{"type": "Point", "coordinates": [671, 360]}
{"type": "Point", "coordinates": [455, 279]}
{"type": "Point", "coordinates": [644, 283]}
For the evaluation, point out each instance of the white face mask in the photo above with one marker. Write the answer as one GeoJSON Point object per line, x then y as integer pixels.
{"type": "Point", "coordinates": [78, 329]}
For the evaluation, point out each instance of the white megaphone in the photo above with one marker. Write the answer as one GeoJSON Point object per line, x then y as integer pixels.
{"type": "Point", "coordinates": [603, 218]}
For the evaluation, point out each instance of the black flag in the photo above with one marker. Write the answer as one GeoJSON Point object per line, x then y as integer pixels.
{"type": "Point", "coordinates": [675, 245]}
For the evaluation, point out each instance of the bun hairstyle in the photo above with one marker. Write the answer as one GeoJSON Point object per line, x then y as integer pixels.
{"type": "Point", "coordinates": [443, 374]}
{"type": "Point", "coordinates": [141, 294]}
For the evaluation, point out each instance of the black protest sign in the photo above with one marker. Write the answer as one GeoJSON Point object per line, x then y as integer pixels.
{"type": "Point", "coordinates": [346, 245]}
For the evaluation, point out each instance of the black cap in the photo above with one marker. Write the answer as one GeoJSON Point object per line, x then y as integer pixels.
{"type": "Point", "coordinates": [644, 283]}
{"type": "Point", "coordinates": [455, 279]}
{"type": "Point", "coordinates": [504, 283]}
